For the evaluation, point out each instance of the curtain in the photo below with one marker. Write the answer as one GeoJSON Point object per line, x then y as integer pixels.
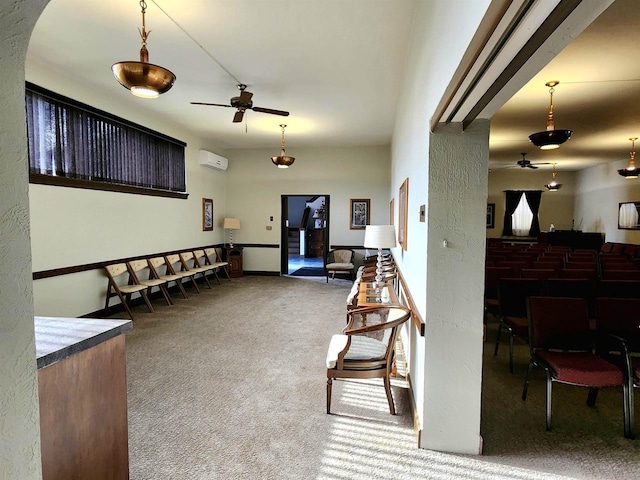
{"type": "Point", "coordinates": [512, 198]}
{"type": "Point", "coordinates": [533, 199]}
{"type": "Point", "coordinates": [522, 218]}
{"type": "Point", "coordinates": [628, 216]}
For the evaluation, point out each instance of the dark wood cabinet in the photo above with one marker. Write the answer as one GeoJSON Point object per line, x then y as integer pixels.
{"type": "Point", "coordinates": [315, 242]}
{"type": "Point", "coordinates": [233, 255]}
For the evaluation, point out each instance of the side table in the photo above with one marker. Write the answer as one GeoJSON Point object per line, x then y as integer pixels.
{"type": "Point", "coordinates": [233, 255]}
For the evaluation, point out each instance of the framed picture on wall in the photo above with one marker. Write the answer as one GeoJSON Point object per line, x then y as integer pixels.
{"type": "Point", "coordinates": [391, 211]}
{"type": "Point", "coordinates": [403, 201]}
{"type": "Point", "coordinates": [359, 213]}
{"type": "Point", "coordinates": [207, 214]}
{"type": "Point", "coordinates": [491, 213]}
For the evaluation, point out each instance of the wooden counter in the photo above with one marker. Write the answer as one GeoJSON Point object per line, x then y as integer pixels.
{"type": "Point", "coordinates": [83, 397]}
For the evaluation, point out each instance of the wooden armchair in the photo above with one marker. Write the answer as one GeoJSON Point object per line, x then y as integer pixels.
{"type": "Point", "coordinates": [339, 260]}
{"type": "Point", "coordinates": [366, 348]}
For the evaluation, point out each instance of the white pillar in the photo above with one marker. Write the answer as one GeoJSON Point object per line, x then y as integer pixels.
{"type": "Point", "coordinates": [19, 413]}
{"type": "Point", "coordinates": [456, 231]}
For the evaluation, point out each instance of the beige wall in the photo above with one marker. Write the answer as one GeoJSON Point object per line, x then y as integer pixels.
{"type": "Point", "coordinates": [555, 207]}
{"type": "Point", "coordinates": [254, 188]}
{"type": "Point", "coordinates": [71, 226]}
{"type": "Point", "coordinates": [600, 190]}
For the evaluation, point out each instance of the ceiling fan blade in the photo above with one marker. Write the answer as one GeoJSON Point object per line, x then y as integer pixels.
{"type": "Point", "coordinates": [270, 110]}
{"type": "Point", "coordinates": [245, 97]}
{"type": "Point", "coordinates": [532, 166]}
{"type": "Point", "coordinates": [237, 118]}
{"type": "Point", "coordinates": [210, 104]}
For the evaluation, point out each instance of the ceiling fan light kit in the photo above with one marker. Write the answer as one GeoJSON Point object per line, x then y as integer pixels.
{"type": "Point", "coordinates": [142, 78]}
{"type": "Point", "coordinates": [631, 171]}
{"type": "Point", "coordinates": [553, 186]}
{"type": "Point", "coordinates": [283, 160]}
{"type": "Point", "coordinates": [550, 138]}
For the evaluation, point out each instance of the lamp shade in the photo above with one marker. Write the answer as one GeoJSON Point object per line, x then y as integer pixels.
{"type": "Point", "coordinates": [380, 236]}
{"type": "Point", "coordinates": [550, 139]}
{"type": "Point", "coordinates": [231, 223]}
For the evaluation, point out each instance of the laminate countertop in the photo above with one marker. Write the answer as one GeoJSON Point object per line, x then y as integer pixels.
{"type": "Point", "coordinates": [58, 338]}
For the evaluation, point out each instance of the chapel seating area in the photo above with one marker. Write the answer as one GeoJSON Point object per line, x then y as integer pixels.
{"type": "Point", "coordinates": [577, 309]}
{"type": "Point", "coordinates": [141, 275]}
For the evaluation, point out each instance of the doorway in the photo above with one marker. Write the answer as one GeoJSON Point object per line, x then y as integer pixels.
{"type": "Point", "coordinates": [305, 234]}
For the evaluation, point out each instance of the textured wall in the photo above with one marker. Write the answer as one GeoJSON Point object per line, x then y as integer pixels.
{"type": "Point", "coordinates": [19, 420]}
{"type": "Point", "coordinates": [455, 277]}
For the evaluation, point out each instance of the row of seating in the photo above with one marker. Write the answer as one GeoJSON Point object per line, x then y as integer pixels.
{"type": "Point", "coordinates": [143, 274]}
{"type": "Point", "coordinates": [563, 342]}
{"type": "Point", "coordinates": [366, 347]}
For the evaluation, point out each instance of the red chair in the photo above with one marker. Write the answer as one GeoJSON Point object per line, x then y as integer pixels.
{"type": "Point", "coordinates": [621, 275]}
{"type": "Point", "coordinates": [618, 289]}
{"type": "Point", "coordinates": [512, 305]}
{"type": "Point", "coordinates": [618, 322]}
{"type": "Point", "coordinates": [560, 342]}
{"type": "Point", "coordinates": [492, 275]}
{"type": "Point", "coordinates": [539, 273]}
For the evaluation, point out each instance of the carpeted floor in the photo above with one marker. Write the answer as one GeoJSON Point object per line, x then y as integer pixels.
{"type": "Point", "coordinates": [231, 384]}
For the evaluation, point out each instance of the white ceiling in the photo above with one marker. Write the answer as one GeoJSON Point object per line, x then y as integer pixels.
{"type": "Point", "coordinates": [337, 66]}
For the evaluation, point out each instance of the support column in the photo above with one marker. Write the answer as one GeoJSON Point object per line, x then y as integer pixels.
{"type": "Point", "coordinates": [456, 232]}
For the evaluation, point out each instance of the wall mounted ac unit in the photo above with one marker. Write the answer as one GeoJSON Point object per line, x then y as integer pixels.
{"type": "Point", "coordinates": [211, 160]}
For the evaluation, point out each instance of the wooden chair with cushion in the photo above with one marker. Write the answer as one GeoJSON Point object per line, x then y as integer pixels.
{"type": "Point", "coordinates": [122, 284]}
{"type": "Point", "coordinates": [175, 266]}
{"type": "Point", "coordinates": [190, 264]}
{"type": "Point", "coordinates": [213, 258]}
{"type": "Point", "coordinates": [366, 348]}
{"type": "Point", "coordinates": [200, 259]}
{"type": "Point", "coordinates": [140, 269]}
{"type": "Point", "coordinates": [159, 270]}
{"type": "Point", "coordinates": [560, 342]}
{"type": "Point", "coordinates": [339, 261]}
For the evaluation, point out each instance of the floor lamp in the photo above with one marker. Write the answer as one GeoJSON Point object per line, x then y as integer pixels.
{"type": "Point", "coordinates": [379, 236]}
{"type": "Point", "coordinates": [231, 224]}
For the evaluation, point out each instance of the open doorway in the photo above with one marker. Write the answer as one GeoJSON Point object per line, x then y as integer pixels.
{"type": "Point", "coordinates": [305, 234]}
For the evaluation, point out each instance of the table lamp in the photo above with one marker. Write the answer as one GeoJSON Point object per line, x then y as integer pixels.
{"type": "Point", "coordinates": [379, 236]}
{"type": "Point", "coordinates": [231, 224]}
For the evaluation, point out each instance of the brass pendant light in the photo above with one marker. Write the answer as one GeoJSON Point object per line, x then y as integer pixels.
{"type": "Point", "coordinates": [283, 161]}
{"type": "Point", "coordinates": [142, 78]}
{"type": "Point", "coordinates": [553, 186]}
{"type": "Point", "coordinates": [631, 171]}
{"type": "Point", "coordinates": [550, 138]}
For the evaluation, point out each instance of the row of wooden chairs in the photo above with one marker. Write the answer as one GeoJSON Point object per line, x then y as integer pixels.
{"type": "Point", "coordinates": [366, 347]}
{"type": "Point", "coordinates": [142, 275]}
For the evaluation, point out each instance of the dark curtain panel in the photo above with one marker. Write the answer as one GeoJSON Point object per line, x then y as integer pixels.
{"type": "Point", "coordinates": [533, 199]}
{"type": "Point", "coordinates": [512, 198]}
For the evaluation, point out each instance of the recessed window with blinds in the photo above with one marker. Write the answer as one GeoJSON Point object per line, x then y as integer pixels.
{"type": "Point", "coordinates": [76, 145]}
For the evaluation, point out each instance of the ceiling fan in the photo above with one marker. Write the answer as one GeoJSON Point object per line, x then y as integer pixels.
{"type": "Point", "coordinates": [524, 163]}
{"type": "Point", "coordinates": [243, 103]}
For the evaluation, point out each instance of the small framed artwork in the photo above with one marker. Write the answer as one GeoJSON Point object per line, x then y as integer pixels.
{"type": "Point", "coordinates": [403, 200]}
{"type": "Point", "coordinates": [207, 214]}
{"type": "Point", "coordinates": [491, 213]}
{"type": "Point", "coordinates": [391, 210]}
{"type": "Point", "coordinates": [359, 213]}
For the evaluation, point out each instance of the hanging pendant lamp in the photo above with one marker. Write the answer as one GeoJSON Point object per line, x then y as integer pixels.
{"type": "Point", "coordinates": [553, 186]}
{"type": "Point", "coordinates": [283, 161]}
{"type": "Point", "coordinates": [631, 171]}
{"type": "Point", "coordinates": [142, 78]}
{"type": "Point", "coordinates": [550, 138]}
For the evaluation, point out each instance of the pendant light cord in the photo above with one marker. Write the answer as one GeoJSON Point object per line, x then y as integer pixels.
{"type": "Point", "coordinates": [238, 82]}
